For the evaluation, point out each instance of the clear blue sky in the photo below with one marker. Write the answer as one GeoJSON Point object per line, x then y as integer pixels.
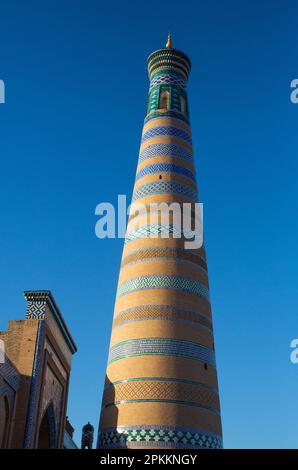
{"type": "Point", "coordinates": [76, 86]}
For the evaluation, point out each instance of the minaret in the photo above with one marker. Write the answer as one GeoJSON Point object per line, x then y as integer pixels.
{"type": "Point", "coordinates": [87, 436]}
{"type": "Point", "coordinates": [161, 386]}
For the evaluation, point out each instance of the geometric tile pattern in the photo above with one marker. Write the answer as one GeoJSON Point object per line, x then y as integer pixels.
{"type": "Point", "coordinates": [162, 436]}
{"type": "Point", "coordinates": [156, 390]}
{"type": "Point", "coordinates": [176, 95]}
{"type": "Point", "coordinates": [168, 253]}
{"type": "Point", "coordinates": [161, 347]}
{"type": "Point", "coordinates": [159, 231]}
{"type": "Point", "coordinates": [164, 168]}
{"type": "Point", "coordinates": [166, 78]}
{"type": "Point", "coordinates": [166, 149]}
{"type": "Point", "coordinates": [153, 100]}
{"type": "Point", "coordinates": [164, 282]}
{"type": "Point", "coordinates": [162, 314]}
{"type": "Point", "coordinates": [161, 379]}
{"type": "Point", "coordinates": [166, 131]}
{"type": "Point", "coordinates": [35, 309]}
{"type": "Point", "coordinates": [165, 187]}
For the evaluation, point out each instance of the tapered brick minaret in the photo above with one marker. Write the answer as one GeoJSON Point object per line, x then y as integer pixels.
{"type": "Point", "coordinates": [161, 383]}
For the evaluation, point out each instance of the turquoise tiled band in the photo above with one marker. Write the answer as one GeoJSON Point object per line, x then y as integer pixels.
{"type": "Point", "coordinates": [164, 282]}
{"type": "Point", "coordinates": [159, 230]}
{"type": "Point", "coordinates": [163, 436]}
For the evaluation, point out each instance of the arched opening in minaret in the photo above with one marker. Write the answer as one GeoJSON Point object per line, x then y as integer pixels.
{"type": "Point", "coordinates": [164, 100]}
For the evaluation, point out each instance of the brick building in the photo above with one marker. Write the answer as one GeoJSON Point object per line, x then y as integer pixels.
{"type": "Point", "coordinates": [34, 376]}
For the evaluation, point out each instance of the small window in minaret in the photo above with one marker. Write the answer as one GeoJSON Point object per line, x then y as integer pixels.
{"type": "Point", "coordinates": [164, 100]}
{"type": "Point", "coordinates": [183, 107]}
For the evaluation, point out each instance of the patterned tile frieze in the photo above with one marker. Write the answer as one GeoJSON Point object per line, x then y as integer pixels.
{"type": "Point", "coordinates": [171, 131]}
{"type": "Point", "coordinates": [171, 437]}
{"type": "Point", "coordinates": [166, 149]}
{"type": "Point", "coordinates": [166, 71]}
{"type": "Point", "coordinates": [167, 253]}
{"type": "Point", "coordinates": [36, 309]}
{"type": "Point", "coordinates": [156, 390]}
{"type": "Point", "coordinates": [164, 282]}
{"type": "Point", "coordinates": [164, 308]}
{"type": "Point", "coordinates": [161, 347]}
{"type": "Point", "coordinates": [165, 187]}
{"type": "Point", "coordinates": [166, 79]}
{"type": "Point", "coordinates": [165, 168]}
{"type": "Point", "coordinates": [109, 384]}
{"type": "Point", "coordinates": [163, 313]}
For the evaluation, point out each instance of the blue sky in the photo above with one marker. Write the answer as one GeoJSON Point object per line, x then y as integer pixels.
{"type": "Point", "coordinates": [76, 91]}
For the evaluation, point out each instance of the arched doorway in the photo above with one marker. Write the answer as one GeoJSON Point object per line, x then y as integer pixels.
{"type": "Point", "coordinates": [4, 421]}
{"type": "Point", "coordinates": [47, 430]}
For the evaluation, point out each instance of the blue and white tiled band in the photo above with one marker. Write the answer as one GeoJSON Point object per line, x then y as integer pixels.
{"type": "Point", "coordinates": [165, 187]}
{"type": "Point", "coordinates": [165, 168]}
{"type": "Point", "coordinates": [160, 131]}
{"type": "Point", "coordinates": [167, 79]}
{"type": "Point", "coordinates": [167, 149]}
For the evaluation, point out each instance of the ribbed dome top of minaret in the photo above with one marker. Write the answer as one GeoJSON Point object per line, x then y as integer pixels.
{"type": "Point", "coordinates": [169, 58]}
